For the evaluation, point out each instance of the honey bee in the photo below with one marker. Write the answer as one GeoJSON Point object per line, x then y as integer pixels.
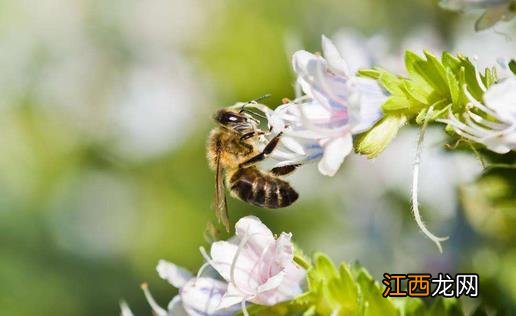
{"type": "Point", "coordinates": [233, 153]}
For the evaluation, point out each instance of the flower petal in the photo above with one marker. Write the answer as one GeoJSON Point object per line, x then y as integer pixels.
{"type": "Point", "coordinates": [203, 296]}
{"type": "Point", "coordinates": [176, 308]}
{"type": "Point", "coordinates": [371, 99]}
{"type": "Point", "coordinates": [260, 236]}
{"type": "Point", "coordinates": [223, 255]}
{"type": "Point", "coordinates": [333, 57]}
{"type": "Point", "coordinates": [231, 298]}
{"type": "Point", "coordinates": [284, 249]}
{"type": "Point", "coordinates": [175, 275]}
{"type": "Point", "coordinates": [501, 98]}
{"type": "Point", "coordinates": [334, 153]}
{"type": "Point", "coordinates": [290, 287]}
{"type": "Point", "coordinates": [305, 65]}
{"type": "Point", "coordinates": [293, 145]}
{"type": "Point", "coordinates": [271, 284]}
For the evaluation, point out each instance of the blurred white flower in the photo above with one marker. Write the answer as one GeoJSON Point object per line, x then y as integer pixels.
{"type": "Point", "coordinates": [198, 296]}
{"type": "Point", "coordinates": [470, 4]}
{"type": "Point", "coordinates": [495, 10]}
{"type": "Point", "coordinates": [487, 48]}
{"type": "Point", "coordinates": [336, 105]}
{"type": "Point", "coordinates": [155, 108]}
{"type": "Point", "coordinates": [258, 267]}
{"type": "Point", "coordinates": [499, 134]}
{"type": "Point", "coordinates": [360, 51]}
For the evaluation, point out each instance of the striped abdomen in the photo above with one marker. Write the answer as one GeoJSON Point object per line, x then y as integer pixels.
{"type": "Point", "coordinates": [263, 190]}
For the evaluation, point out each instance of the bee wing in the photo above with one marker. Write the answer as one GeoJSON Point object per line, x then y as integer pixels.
{"type": "Point", "coordinates": [221, 209]}
{"type": "Point", "coordinates": [493, 15]}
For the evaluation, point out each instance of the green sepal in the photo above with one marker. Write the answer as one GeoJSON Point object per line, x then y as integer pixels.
{"type": "Point", "coordinates": [374, 141]}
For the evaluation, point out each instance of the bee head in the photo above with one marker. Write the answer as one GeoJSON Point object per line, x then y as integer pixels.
{"type": "Point", "coordinates": [239, 121]}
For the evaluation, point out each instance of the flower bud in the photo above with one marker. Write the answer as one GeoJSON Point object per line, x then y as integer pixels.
{"type": "Point", "coordinates": [373, 142]}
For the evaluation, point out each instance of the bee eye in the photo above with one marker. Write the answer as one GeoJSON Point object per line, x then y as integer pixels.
{"type": "Point", "coordinates": [227, 117]}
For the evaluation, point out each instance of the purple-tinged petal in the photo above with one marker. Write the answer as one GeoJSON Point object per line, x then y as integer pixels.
{"type": "Point", "coordinates": [334, 153]}
{"type": "Point", "coordinates": [203, 296]}
{"type": "Point", "coordinates": [333, 57]}
{"type": "Point", "coordinates": [175, 275]}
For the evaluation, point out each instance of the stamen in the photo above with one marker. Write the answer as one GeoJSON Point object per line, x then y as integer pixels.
{"type": "Point", "coordinates": [460, 132]}
{"type": "Point", "coordinates": [244, 309]}
{"type": "Point", "coordinates": [244, 241]}
{"type": "Point", "coordinates": [478, 104]}
{"type": "Point", "coordinates": [257, 263]}
{"type": "Point", "coordinates": [201, 269]}
{"type": "Point", "coordinates": [205, 255]}
{"type": "Point", "coordinates": [458, 125]}
{"type": "Point", "coordinates": [477, 76]}
{"type": "Point", "coordinates": [158, 310]}
{"type": "Point", "coordinates": [415, 181]}
{"type": "Point", "coordinates": [486, 123]}
{"type": "Point", "coordinates": [478, 127]}
{"type": "Point", "coordinates": [124, 309]}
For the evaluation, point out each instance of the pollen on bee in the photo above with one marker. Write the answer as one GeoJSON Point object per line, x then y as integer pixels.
{"type": "Point", "coordinates": [285, 100]}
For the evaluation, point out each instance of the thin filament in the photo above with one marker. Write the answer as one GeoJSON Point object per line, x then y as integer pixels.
{"type": "Point", "coordinates": [155, 306]}
{"type": "Point", "coordinates": [415, 184]}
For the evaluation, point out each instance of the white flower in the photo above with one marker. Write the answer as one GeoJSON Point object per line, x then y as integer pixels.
{"type": "Point", "coordinates": [459, 5]}
{"type": "Point", "coordinates": [258, 268]}
{"type": "Point", "coordinates": [198, 296]}
{"type": "Point", "coordinates": [495, 10]}
{"type": "Point", "coordinates": [497, 134]}
{"type": "Point", "coordinates": [336, 105]}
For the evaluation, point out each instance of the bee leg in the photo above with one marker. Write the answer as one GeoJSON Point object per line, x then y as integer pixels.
{"type": "Point", "coordinates": [250, 135]}
{"type": "Point", "coordinates": [284, 170]}
{"type": "Point", "coordinates": [266, 152]}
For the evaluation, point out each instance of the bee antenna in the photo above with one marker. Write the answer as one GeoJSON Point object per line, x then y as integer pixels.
{"type": "Point", "coordinates": [265, 96]}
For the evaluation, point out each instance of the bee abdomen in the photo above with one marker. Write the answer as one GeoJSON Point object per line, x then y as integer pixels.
{"type": "Point", "coordinates": [257, 188]}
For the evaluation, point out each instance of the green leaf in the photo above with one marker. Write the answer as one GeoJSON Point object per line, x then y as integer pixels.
{"type": "Point", "coordinates": [373, 300]}
{"type": "Point", "coordinates": [439, 72]}
{"type": "Point", "coordinates": [453, 86]}
{"type": "Point", "coordinates": [451, 62]}
{"type": "Point", "coordinates": [344, 290]}
{"type": "Point", "coordinates": [370, 73]}
{"type": "Point", "coordinates": [323, 269]}
{"type": "Point", "coordinates": [470, 77]}
{"type": "Point", "coordinates": [441, 83]}
{"type": "Point", "coordinates": [395, 103]}
{"type": "Point", "coordinates": [445, 307]}
{"type": "Point", "coordinates": [390, 82]}
{"type": "Point", "coordinates": [490, 77]}
{"type": "Point", "coordinates": [426, 71]}
{"type": "Point", "coordinates": [416, 94]}
{"type": "Point", "coordinates": [409, 306]}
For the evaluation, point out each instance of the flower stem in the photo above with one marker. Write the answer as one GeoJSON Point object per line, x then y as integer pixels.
{"type": "Point", "coordinates": [302, 262]}
{"type": "Point", "coordinates": [415, 182]}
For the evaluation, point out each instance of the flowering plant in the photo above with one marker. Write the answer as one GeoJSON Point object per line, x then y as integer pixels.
{"type": "Point", "coordinates": [373, 104]}
{"type": "Point", "coordinates": [339, 109]}
{"type": "Point", "coordinates": [336, 105]}
{"type": "Point", "coordinates": [267, 272]}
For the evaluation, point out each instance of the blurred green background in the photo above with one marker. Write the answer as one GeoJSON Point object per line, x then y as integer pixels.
{"type": "Point", "coordinates": [105, 108]}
